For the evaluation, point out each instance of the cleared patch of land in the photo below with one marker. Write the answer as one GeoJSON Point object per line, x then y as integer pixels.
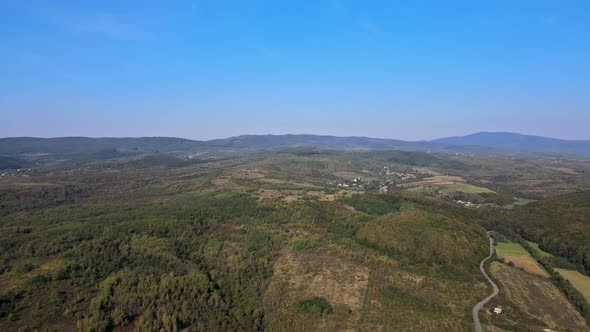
{"type": "Point", "coordinates": [531, 301]}
{"type": "Point", "coordinates": [300, 275]}
{"type": "Point", "coordinates": [446, 183]}
{"type": "Point", "coordinates": [579, 281]}
{"type": "Point", "coordinates": [15, 282]}
{"type": "Point", "coordinates": [505, 249]}
{"type": "Point", "coordinates": [514, 253]}
{"type": "Point", "coordinates": [292, 195]}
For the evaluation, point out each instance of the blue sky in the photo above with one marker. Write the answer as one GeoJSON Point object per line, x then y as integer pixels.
{"type": "Point", "coordinates": [209, 69]}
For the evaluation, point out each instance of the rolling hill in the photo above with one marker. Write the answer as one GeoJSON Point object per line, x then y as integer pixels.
{"type": "Point", "coordinates": [88, 145]}
{"type": "Point", "coordinates": [518, 143]}
{"type": "Point", "coordinates": [480, 143]}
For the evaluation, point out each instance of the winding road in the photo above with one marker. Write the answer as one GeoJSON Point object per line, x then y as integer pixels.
{"type": "Point", "coordinates": [487, 299]}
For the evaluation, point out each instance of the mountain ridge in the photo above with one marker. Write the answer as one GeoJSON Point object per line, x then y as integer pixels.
{"type": "Point", "coordinates": [518, 142]}
{"type": "Point", "coordinates": [477, 143]}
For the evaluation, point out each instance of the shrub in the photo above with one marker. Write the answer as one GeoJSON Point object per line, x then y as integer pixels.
{"type": "Point", "coordinates": [22, 268]}
{"type": "Point", "coordinates": [306, 243]}
{"type": "Point", "coordinates": [317, 306]}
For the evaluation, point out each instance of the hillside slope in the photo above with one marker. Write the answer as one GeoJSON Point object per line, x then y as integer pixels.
{"type": "Point", "coordinates": [560, 225]}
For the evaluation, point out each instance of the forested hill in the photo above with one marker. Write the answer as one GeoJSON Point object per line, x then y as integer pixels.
{"type": "Point", "coordinates": [560, 225]}
{"type": "Point", "coordinates": [481, 143]}
{"type": "Point", "coordinates": [518, 143]}
{"type": "Point", "coordinates": [80, 145]}
{"type": "Point", "coordinates": [86, 145]}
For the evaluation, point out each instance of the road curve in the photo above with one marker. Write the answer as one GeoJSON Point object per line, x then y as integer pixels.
{"type": "Point", "coordinates": [487, 299]}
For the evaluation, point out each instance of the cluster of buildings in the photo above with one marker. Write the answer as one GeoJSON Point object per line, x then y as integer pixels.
{"type": "Point", "coordinates": [18, 172]}
{"type": "Point", "coordinates": [399, 176]}
{"type": "Point", "coordinates": [356, 182]}
{"type": "Point", "coordinates": [465, 203]}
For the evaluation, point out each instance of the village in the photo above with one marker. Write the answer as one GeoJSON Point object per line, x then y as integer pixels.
{"type": "Point", "coordinates": [397, 176]}
{"type": "Point", "coordinates": [16, 173]}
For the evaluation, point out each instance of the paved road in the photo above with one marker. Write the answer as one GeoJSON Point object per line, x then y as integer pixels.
{"type": "Point", "coordinates": [487, 299]}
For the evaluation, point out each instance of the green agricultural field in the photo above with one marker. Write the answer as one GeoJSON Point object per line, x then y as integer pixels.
{"type": "Point", "coordinates": [540, 251]}
{"type": "Point", "coordinates": [515, 254]}
{"type": "Point", "coordinates": [579, 281]}
{"type": "Point", "coordinates": [505, 249]}
{"type": "Point", "coordinates": [466, 188]}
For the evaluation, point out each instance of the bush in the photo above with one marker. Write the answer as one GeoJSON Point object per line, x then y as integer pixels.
{"type": "Point", "coordinates": [7, 304]}
{"type": "Point", "coordinates": [22, 268]}
{"type": "Point", "coordinates": [306, 243]}
{"type": "Point", "coordinates": [317, 306]}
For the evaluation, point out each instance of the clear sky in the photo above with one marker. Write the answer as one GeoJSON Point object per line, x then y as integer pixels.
{"type": "Point", "coordinates": [209, 69]}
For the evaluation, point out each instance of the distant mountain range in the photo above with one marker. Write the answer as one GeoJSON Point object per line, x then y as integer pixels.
{"type": "Point", "coordinates": [11, 149]}
{"type": "Point", "coordinates": [512, 142]}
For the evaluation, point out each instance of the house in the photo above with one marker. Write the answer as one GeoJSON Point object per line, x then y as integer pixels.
{"type": "Point", "coordinates": [497, 310]}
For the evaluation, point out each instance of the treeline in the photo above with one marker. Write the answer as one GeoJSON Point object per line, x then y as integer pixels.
{"type": "Point", "coordinates": [560, 225]}
{"type": "Point", "coordinates": [509, 225]}
{"type": "Point", "coordinates": [572, 294]}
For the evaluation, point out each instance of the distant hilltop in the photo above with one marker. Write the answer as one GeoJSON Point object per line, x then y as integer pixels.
{"type": "Point", "coordinates": [479, 143]}
{"type": "Point", "coordinates": [518, 143]}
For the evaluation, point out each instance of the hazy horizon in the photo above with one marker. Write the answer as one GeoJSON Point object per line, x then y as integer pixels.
{"type": "Point", "coordinates": [294, 134]}
{"type": "Point", "coordinates": [208, 69]}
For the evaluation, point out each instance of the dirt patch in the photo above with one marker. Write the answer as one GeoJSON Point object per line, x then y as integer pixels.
{"type": "Point", "coordinates": [305, 274]}
{"type": "Point", "coordinates": [9, 281]}
{"type": "Point", "coordinates": [524, 297]}
{"type": "Point", "coordinates": [527, 264]}
{"type": "Point", "coordinates": [221, 182]}
{"type": "Point", "coordinates": [292, 195]}
{"type": "Point", "coordinates": [338, 281]}
{"type": "Point", "coordinates": [247, 174]}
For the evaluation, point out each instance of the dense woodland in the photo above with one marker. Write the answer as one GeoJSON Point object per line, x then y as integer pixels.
{"type": "Point", "coordinates": [561, 226]}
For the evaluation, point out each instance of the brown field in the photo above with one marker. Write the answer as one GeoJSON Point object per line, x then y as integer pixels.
{"type": "Point", "coordinates": [300, 275]}
{"type": "Point", "coordinates": [447, 183]}
{"type": "Point", "coordinates": [528, 264]}
{"type": "Point", "coordinates": [292, 195]}
{"type": "Point", "coordinates": [514, 253]}
{"type": "Point", "coordinates": [531, 301]}
{"type": "Point", "coordinates": [247, 174]}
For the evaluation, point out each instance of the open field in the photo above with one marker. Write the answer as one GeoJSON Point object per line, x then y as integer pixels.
{"type": "Point", "coordinates": [505, 249]}
{"type": "Point", "coordinates": [446, 183]}
{"type": "Point", "coordinates": [465, 188]}
{"type": "Point", "coordinates": [579, 281]}
{"type": "Point", "coordinates": [530, 301]}
{"type": "Point", "coordinates": [514, 253]}
{"type": "Point", "coordinates": [540, 251]}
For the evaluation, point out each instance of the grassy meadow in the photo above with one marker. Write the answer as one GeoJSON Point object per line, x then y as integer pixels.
{"type": "Point", "coordinates": [580, 281]}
